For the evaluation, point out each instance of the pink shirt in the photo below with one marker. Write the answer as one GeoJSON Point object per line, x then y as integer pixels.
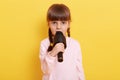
{"type": "Point", "coordinates": [70, 69]}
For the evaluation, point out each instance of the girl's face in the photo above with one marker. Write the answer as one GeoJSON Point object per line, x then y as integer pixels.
{"type": "Point", "coordinates": [59, 26]}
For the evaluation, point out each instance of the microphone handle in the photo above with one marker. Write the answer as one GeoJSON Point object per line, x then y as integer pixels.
{"type": "Point", "coordinates": [60, 56]}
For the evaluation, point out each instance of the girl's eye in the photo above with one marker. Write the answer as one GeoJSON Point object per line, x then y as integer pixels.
{"type": "Point", "coordinates": [53, 22]}
{"type": "Point", "coordinates": [63, 22]}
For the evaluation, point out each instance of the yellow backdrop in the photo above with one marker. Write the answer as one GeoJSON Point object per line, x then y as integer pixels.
{"type": "Point", "coordinates": [95, 24]}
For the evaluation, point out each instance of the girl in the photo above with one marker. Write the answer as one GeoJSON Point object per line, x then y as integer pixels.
{"type": "Point", "coordinates": [58, 18]}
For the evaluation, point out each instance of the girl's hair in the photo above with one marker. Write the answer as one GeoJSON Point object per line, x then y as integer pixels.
{"type": "Point", "coordinates": [57, 12]}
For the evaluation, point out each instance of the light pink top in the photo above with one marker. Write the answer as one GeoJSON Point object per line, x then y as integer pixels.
{"type": "Point", "coordinates": [70, 69]}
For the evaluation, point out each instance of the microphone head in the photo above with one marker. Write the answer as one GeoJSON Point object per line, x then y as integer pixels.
{"type": "Point", "coordinates": [59, 38]}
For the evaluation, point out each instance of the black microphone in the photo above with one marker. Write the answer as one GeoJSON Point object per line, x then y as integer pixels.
{"type": "Point", "coordinates": [59, 38]}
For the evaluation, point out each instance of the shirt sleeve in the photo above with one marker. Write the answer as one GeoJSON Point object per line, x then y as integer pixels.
{"type": "Point", "coordinates": [47, 61]}
{"type": "Point", "coordinates": [79, 65]}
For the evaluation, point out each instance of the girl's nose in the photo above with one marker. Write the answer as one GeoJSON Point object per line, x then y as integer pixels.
{"type": "Point", "coordinates": [58, 26]}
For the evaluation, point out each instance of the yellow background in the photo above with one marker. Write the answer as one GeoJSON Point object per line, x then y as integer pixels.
{"type": "Point", "coordinates": [95, 24]}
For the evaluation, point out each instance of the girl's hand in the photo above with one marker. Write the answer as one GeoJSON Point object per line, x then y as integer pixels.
{"type": "Point", "coordinates": [57, 48]}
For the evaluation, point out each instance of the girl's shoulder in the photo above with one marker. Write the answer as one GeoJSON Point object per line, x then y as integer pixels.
{"type": "Point", "coordinates": [45, 42]}
{"type": "Point", "coordinates": [73, 41]}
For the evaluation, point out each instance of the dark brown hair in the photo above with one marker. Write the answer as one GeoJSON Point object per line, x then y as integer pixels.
{"type": "Point", "coordinates": [57, 12]}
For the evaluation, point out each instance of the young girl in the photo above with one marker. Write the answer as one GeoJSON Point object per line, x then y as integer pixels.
{"type": "Point", "coordinates": [58, 18]}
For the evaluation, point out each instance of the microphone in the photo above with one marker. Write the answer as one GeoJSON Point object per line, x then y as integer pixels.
{"type": "Point", "coordinates": [59, 38]}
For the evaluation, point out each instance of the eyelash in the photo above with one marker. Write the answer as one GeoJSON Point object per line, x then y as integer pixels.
{"type": "Point", "coordinates": [63, 22]}
{"type": "Point", "coordinates": [54, 22]}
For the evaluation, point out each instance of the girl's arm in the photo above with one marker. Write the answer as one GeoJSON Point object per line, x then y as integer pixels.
{"type": "Point", "coordinates": [79, 64]}
{"type": "Point", "coordinates": [47, 61]}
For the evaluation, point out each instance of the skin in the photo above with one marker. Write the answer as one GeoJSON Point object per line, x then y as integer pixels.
{"type": "Point", "coordinates": [58, 26]}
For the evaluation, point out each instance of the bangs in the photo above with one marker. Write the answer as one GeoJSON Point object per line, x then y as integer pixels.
{"type": "Point", "coordinates": [58, 12]}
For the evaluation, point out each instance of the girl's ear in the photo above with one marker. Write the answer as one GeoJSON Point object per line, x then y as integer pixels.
{"type": "Point", "coordinates": [48, 23]}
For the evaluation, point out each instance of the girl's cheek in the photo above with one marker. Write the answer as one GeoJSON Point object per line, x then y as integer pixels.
{"type": "Point", "coordinates": [54, 32]}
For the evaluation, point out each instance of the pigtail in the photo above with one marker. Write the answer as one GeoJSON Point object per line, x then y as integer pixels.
{"type": "Point", "coordinates": [51, 41]}
{"type": "Point", "coordinates": [68, 32]}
